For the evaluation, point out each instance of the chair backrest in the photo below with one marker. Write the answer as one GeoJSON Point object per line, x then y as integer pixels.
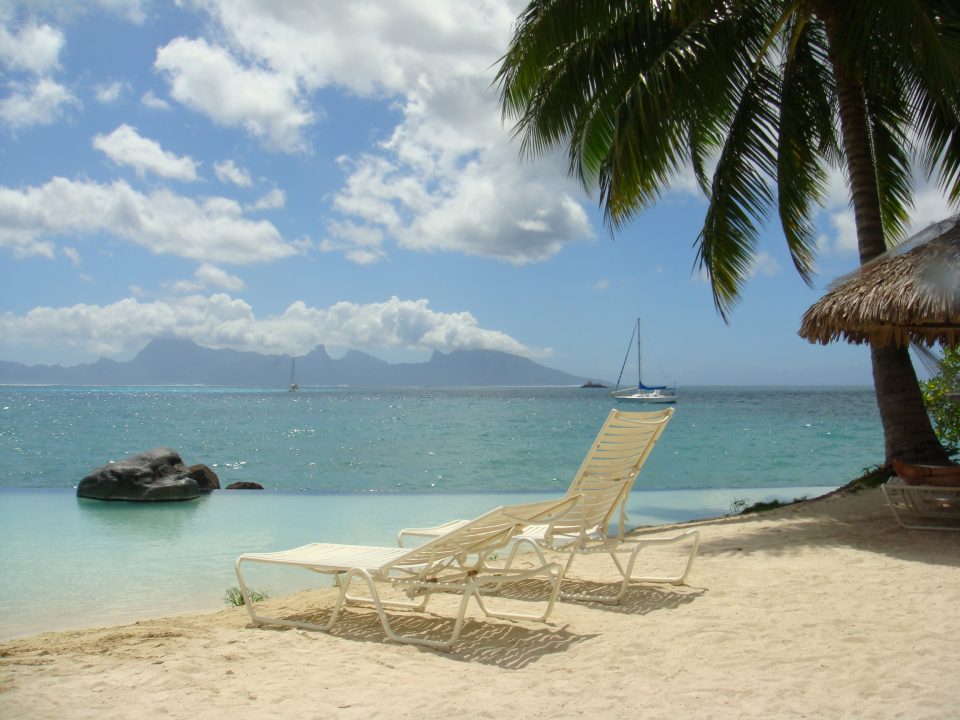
{"type": "Point", "coordinates": [616, 457]}
{"type": "Point", "coordinates": [489, 532]}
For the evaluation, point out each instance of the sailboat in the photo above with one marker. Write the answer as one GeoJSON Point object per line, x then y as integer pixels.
{"type": "Point", "coordinates": [293, 366]}
{"type": "Point", "coordinates": [642, 393]}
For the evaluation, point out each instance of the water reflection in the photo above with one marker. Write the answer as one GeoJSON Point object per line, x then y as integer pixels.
{"type": "Point", "coordinates": [139, 519]}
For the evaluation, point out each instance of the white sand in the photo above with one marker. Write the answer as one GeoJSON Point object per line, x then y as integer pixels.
{"type": "Point", "coordinates": [822, 610]}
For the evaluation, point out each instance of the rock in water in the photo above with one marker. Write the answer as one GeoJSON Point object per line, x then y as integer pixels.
{"type": "Point", "coordinates": [152, 476]}
{"type": "Point", "coordinates": [206, 478]}
{"type": "Point", "coordinates": [244, 485]}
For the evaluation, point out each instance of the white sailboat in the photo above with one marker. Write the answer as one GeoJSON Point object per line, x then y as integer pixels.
{"type": "Point", "coordinates": [642, 393]}
{"type": "Point", "coordinates": [293, 385]}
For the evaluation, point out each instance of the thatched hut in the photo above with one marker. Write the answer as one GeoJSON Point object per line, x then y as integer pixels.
{"type": "Point", "coordinates": [909, 294]}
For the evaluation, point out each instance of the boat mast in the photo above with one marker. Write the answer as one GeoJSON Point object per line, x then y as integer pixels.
{"type": "Point", "coordinates": [639, 359]}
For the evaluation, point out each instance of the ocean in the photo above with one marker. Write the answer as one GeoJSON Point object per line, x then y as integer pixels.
{"type": "Point", "coordinates": [355, 465]}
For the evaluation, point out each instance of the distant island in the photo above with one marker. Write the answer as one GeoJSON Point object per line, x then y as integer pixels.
{"type": "Point", "coordinates": [183, 362]}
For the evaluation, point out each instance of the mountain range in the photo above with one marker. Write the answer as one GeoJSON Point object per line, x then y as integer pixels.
{"type": "Point", "coordinates": [183, 362]}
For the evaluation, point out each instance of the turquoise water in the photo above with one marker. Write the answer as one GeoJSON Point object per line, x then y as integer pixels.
{"type": "Point", "coordinates": [356, 465]}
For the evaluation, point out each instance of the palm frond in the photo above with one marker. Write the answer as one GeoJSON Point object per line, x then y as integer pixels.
{"type": "Point", "coordinates": [741, 190]}
{"type": "Point", "coordinates": [806, 135]}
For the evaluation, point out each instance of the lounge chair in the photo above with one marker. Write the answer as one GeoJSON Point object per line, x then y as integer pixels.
{"type": "Point", "coordinates": [453, 562]}
{"type": "Point", "coordinates": [923, 507]}
{"type": "Point", "coordinates": [603, 482]}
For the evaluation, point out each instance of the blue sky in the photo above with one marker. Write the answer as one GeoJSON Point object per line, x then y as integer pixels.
{"type": "Point", "coordinates": [274, 178]}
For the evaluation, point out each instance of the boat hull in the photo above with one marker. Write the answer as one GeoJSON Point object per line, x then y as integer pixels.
{"type": "Point", "coordinates": [646, 396]}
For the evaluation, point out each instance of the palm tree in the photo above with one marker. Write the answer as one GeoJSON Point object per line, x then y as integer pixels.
{"type": "Point", "coordinates": [775, 91]}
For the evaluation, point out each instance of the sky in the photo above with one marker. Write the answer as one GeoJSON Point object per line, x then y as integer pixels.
{"type": "Point", "coordinates": [276, 176]}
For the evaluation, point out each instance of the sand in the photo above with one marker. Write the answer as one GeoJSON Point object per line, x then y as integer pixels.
{"type": "Point", "coordinates": [825, 609]}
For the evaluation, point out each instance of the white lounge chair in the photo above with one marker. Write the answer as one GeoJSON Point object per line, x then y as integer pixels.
{"type": "Point", "coordinates": [603, 481]}
{"type": "Point", "coordinates": [453, 562]}
{"type": "Point", "coordinates": [923, 507]}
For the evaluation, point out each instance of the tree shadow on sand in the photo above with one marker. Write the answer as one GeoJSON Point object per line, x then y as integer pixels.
{"type": "Point", "coordinates": [823, 523]}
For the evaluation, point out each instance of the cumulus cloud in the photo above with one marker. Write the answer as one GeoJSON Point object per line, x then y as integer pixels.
{"type": "Point", "coordinates": [132, 10]}
{"type": "Point", "coordinates": [361, 244]}
{"type": "Point", "coordinates": [127, 147]}
{"type": "Point", "coordinates": [212, 276]}
{"type": "Point", "coordinates": [150, 100]}
{"type": "Point", "coordinates": [763, 264]}
{"type": "Point", "coordinates": [40, 103]}
{"type": "Point", "coordinates": [109, 93]}
{"type": "Point", "coordinates": [272, 200]}
{"type": "Point", "coordinates": [447, 177]}
{"type": "Point", "coordinates": [35, 47]}
{"type": "Point", "coordinates": [209, 276]}
{"type": "Point", "coordinates": [209, 79]}
{"type": "Point", "coordinates": [220, 321]}
{"type": "Point", "coordinates": [229, 172]}
{"type": "Point", "coordinates": [207, 230]}
{"type": "Point", "coordinates": [449, 180]}
{"type": "Point", "coordinates": [929, 206]}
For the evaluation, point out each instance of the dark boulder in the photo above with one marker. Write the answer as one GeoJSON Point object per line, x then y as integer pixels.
{"type": "Point", "coordinates": [152, 476]}
{"type": "Point", "coordinates": [245, 485]}
{"type": "Point", "coordinates": [206, 478]}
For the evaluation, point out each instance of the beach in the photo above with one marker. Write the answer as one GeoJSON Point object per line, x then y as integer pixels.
{"type": "Point", "coordinates": [822, 609]}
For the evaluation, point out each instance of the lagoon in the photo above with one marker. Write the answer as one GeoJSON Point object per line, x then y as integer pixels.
{"type": "Point", "coordinates": [356, 465]}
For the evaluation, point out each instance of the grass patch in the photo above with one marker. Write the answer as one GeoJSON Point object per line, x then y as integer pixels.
{"type": "Point", "coordinates": [873, 476]}
{"type": "Point", "coordinates": [740, 507]}
{"type": "Point", "coordinates": [234, 597]}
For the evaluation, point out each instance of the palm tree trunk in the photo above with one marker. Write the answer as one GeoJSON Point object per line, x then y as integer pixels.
{"type": "Point", "coordinates": [907, 431]}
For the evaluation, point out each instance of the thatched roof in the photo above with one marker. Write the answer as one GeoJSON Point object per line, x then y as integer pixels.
{"type": "Point", "coordinates": [910, 294]}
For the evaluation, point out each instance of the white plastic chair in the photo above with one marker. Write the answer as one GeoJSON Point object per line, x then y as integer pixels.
{"type": "Point", "coordinates": [603, 481]}
{"type": "Point", "coordinates": [923, 507]}
{"type": "Point", "coordinates": [452, 562]}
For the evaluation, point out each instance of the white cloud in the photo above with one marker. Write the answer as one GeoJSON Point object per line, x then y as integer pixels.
{"type": "Point", "coordinates": [763, 264]}
{"type": "Point", "coordinates": [380, 47]}
{"type": "Point", "coordinates": [273, 200]}
{"type": "Point", "coordinates": [929, 206]}
{"type": "Point", "coordinates": [228, 172]}
{"type": "Point", "coordinates": [449, 180]}
{"type": "Point", "coordinates": [210, 80]}
{"type": "Point", "coordinates": [34, 47]}
{"type": "Point", "coordinates": [448, 177]}
{"type": "Point", "coordinates": [207, 230]}
{"type": "Point", "coordinates": [220, 321]}
{"type": "Point", "coordinates": [212, 276]}
{"type": "Point", "coordinates": [127, 147]}
{"type": "Point", "coordinates": [361, 244]}
{"type": "Point", "coordinates": [72, 254]}
{"type": "Point", "coordinates": [109, 93]}
{"type": "Point", "coordinates": [150, 100]}
{"type": "Point", "coordinates": [41, 103]}
{"type": "Point", "coordinates": [132, 10]}
{"type": "Point", "coordinates": [601, 285]}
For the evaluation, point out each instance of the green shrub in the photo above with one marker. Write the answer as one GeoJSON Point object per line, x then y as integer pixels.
{"type": "Point", "coordinates": [234, 597]}
{"type": "Point", "coordinates": [941, 394]}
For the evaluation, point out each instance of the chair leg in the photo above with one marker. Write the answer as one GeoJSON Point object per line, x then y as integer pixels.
{"type": "Point", "coordinates": [693, 535]}
{"type": "Point", "coordinates": [633, 547]}
{"type": "Point", "coordinates": [554, 573]}
{"type": "Point", "coordinates": [259, 619]}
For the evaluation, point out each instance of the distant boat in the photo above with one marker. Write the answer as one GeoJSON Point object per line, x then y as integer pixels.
{"type": "Point", "coordinates": [592, 384]}
{"type": "Point", "coordinates": [293, 368]}
{"type": "Point", "coordinates": [642, 393]}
